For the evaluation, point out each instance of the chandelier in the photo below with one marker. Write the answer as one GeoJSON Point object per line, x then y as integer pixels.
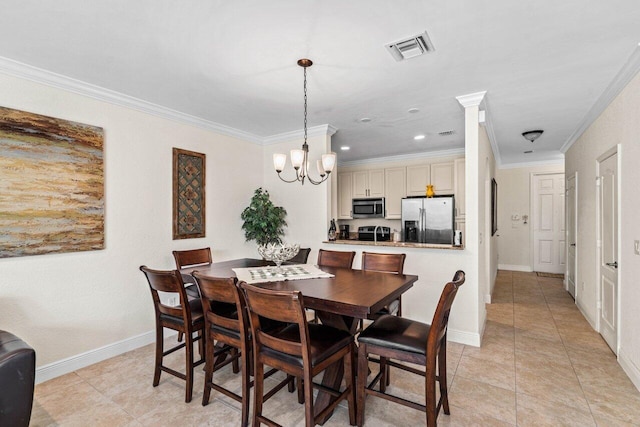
{"type": "Point", "coordinates": [300, 158]}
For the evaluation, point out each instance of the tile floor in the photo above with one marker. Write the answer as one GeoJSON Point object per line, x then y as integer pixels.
{"type": "Point", "coordinates": [540, 364]}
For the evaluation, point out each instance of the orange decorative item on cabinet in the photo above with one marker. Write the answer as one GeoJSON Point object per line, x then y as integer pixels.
{"type": "Point", "coordinates": [430, 191]}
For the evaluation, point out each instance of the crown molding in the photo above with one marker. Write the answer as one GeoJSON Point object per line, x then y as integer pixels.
{"type": "Point", "coordinates": [401, 157]}
{"type": "Point", "coordinates": [472, 99]}
{"type": "Point", "coordinates": [619, 82]}
{"type": "Point", "coordinates": [553, 162]}
{"type": "Point", "coordinates": [38, 75]}
{"type": "Point", "coordinates": [321, 130]}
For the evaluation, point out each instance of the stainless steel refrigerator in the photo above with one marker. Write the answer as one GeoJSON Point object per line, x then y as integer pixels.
{"type": "Point", "coordinates": [428, 220]}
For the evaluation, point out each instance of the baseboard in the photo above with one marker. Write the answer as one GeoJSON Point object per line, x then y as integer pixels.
{"type": "Point", "coordinates": [591, 322]}
{"type": "Point", "coordinates": [629, 368]}
{"type": "Point", "coordinates": [487, 299]}
{"type": "Point", "coordinates": [515, 267]}
{"type": "Point", "coordinates": [79, 361]}
{"type": "Point", "coordinates": [462, 337]}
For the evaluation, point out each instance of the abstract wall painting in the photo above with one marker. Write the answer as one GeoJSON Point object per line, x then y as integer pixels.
{"type": "Point", "coordinates": [188, 194]}
{"type": "Point", "coordinates": [51, 185]}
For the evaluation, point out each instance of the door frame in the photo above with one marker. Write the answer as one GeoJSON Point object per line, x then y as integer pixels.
{"type": "Point", "coordinates": [574, 175]}
{"type": "Point", "coordinates": [617, 149]}
{"type": "Point", "coordinates": [532, 243]}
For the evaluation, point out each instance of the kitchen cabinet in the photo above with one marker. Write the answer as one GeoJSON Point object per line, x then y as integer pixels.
{"type": "Point", "coordinates": [440, 175]}
{"type": "Point", "coordinates": [345, 188]}
{"type": "Point", "coordinates": [394, 190]}
{"type": "Point", "coordinates": [368, 183]}
{"type": "Point", "coordinates": [418, 177]}
{"type": "Point", "coordinates": [459, 166]}
{"type": "Point", "coordinates": [442, 178]}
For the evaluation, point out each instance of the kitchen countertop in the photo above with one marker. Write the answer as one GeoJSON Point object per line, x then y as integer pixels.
{"type": "Point", "coordinates": [394, 244]}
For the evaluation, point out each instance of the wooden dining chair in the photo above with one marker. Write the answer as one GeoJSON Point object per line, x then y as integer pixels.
{"type": "Point", "coordinates": [191, 258]}
{"type": "Point", "coordinates": [338, 259]}
{"type": "Point", "coordinates": [227, 324]}
{"type": "Point", "coordinates": [301, 349]}
{"type": "Point", "coordinates": [301, 257]}
{"type": "Point", "coordinates": [185, 318]}
{"type": "Point", "coordinates": [395, 338]}
{"type": "Point", "coordinates": [385, 263]}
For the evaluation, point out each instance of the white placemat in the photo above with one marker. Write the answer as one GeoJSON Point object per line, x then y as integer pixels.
{"type": "Point", "coordinates": [288, 272]}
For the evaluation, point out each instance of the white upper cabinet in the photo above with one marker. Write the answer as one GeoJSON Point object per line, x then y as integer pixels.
{"type": "Point", "coordinates": [368, 183]}
{"type": "Point", "coordinates": [442, 178]}
{"type": "Point", "coordinates": [345, 187]}
{"type": "Point", "coordinates": [459, 187]}
{"type": "Point", "coordinates": [418, 177]}
{"type": "Point", "coordinates": [395, 190]}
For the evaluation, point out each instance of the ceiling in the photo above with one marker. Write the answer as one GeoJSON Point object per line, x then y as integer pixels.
{"type": "Point", "coordinates": [543, 64]}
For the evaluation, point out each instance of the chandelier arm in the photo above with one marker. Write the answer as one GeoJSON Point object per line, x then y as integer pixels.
{"type": "Point", "coordinates": [289, 181]}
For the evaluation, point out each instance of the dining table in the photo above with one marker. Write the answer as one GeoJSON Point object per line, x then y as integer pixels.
{"type": "Point", "coordinates": [339, 301]}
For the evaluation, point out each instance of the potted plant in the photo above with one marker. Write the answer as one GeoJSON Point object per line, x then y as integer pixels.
{"type": "Point", "coordinates": [263, 221]}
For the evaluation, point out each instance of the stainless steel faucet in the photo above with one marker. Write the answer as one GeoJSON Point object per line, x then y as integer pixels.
{"type": "Point", "coordinates": [375, 235]}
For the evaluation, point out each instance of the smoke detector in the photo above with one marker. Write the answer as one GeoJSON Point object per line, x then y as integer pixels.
{"type": "Point", "coordinates": [411, 47]}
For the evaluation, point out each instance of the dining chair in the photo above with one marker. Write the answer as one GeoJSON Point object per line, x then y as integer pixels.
{"type": "Point", "coordinates": [409, 341]}
{"type": "Point", "coordinates": [191, 258]}
{"type": "Point", "coordinates": [301, 349]}
{"type": "Point", "coordinates": [339, 259]}
{"type": "Point", "coordinates": [185, 318]}
{"type": "Point", "coordinates": [301, 257]}
{"type": "Point", "coordinates": [385, 263]}
{"type": "Point", "coordinates": [227, 323]}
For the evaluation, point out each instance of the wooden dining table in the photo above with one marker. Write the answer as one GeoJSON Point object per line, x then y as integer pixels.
{"type": "Point", "coordinates": [340, 301]}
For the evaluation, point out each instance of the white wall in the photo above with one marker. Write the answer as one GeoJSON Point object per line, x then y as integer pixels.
{"type": "Point", "coordinates": [68, 304]}
{"type": "Point", "coordinates": [617, 125]}
{"type": "Point", "coordinates": [514, 197]}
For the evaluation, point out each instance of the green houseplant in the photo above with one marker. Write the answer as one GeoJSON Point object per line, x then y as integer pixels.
{"type": "Point", "coordinates": [263, 221]}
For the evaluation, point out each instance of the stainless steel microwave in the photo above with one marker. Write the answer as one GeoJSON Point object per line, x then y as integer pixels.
{"type": "Point", "coordinates": [368, 208]}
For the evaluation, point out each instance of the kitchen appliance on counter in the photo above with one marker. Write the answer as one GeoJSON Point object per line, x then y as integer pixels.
{"type": "Point", "coordinates": [344, 232]}
{"type": "Point", "coordinates": [367, 233]}
{"type": "Point", "coordinates": [368, 208]}
{"type": "Point", "coordinates": [428, 220]}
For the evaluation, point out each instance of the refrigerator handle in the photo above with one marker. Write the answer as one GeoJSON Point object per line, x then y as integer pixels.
{"type": "Point", "coordinates": [421, 225]}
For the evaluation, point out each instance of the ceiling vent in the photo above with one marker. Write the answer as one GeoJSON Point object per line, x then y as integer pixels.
{"type": "Point", "coordinates": [447, 132]}
{"type": "Point", "coordinates": [411, 47]}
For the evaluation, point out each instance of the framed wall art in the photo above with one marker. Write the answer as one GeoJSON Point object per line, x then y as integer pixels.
{"type": "Point", "coordinates": [51, 185]}
{"type": "Point", "coordinates": [188, 194]}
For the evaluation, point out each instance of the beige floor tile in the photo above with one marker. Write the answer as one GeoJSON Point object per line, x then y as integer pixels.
{"type": "Point", "coordinates": [483, 399]}
{"type": "Point", "coordinates": [614, 403]}
{"type": "Point", "coordinates": [496, 374]}
{"type": "Point", "coordinates": [536, 412]}
{"type": "Point", "coordinates": [548, 386]}
{"type": "Point", "coordinates": [495, 349]}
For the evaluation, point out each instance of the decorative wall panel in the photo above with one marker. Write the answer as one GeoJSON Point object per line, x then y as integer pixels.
{"type": "Point", "coordinates": [188, 194]}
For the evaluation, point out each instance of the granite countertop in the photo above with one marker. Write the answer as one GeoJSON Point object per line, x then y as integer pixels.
{"type": "Point", "coordinates": [394, 244]}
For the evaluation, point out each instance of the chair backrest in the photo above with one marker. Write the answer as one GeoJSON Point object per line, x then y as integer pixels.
{"type": "Point", "coordinates": [167, 281]}
{"type": "Point", "coordinates": [283, 306]}
{"type": "Point", "coordinates": [223, 303]}
{"type": "Point", "coordinates": [438, 330]}
{"type": "Point", "coordinates": [385, 263]}
{"type": "Point", "coordinates": [302, 256]}
{"type": "Point", "coordinates": [337, 259]}
{"type": "Point", "coordinates": [192, 257]}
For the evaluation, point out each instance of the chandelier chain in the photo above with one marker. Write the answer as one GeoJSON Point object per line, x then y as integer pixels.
{"type": "Point", "coordinates": [305, 105]}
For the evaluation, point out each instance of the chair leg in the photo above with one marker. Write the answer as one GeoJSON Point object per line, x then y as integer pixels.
{"type": "Point", "coordinates": [349, 362]}
{"type": "Point", "coordinates": [209, 362]}
{"type": "Point", "coordinates": [384, 371]}
{"type": "Point", "coordinates": [363, 367]}
{"type": "Point", "coordinates": [308, 400]}
{"type": "Point", "coordinates": [189, 365]}
{"type": "Point", "coordinates": [430, 392]}
{"type": "Point", "coordinates": [159, 351]}
{"type": "Point", "coordinates": [180, 336]}
{"type": "Point", "coordinates": [300, 386]}
{"type": "Point", "coordinates": [258, 392]}
{"type": "Point", "coordinates": [442, 374]}
{"type": "Point", "coordinates": [235, 364]}
{"type": "Point", "coordinates": [246, 389]}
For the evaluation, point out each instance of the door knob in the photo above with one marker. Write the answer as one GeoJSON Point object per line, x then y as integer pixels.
{"type": "Point", "coordinates": [613, 264]}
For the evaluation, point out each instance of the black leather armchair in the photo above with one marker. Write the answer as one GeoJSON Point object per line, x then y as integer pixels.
{"type": "Point", "coordinates": [17, 376]}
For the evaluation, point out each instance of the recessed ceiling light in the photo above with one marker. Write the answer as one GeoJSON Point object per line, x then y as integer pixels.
{"type": "Point", "coordinates": [418, 137]}
{"type": "Point", "coordinates": [413, 110]}
{"type": "Point", "coordinates": [345, 148]}
{"type": "Point", "coordinates": [364, 120]}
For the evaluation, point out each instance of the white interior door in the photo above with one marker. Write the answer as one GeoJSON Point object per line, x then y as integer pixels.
{"type": "Point", "coordinates": [548, 223]}
{"type": "Point", "coordinates": [572, 236]}
{"type": "Point", "coordinates": [608, 212]}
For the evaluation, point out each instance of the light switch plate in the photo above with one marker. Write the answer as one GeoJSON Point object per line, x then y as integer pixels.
{"type": "Point", "coordinates": [636, 247]}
